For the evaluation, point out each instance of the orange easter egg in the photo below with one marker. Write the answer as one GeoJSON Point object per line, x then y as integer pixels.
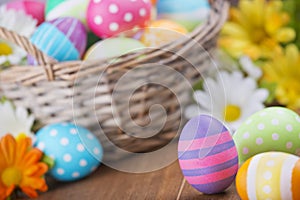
{"type": "Point", "coordinates": [160, 32]}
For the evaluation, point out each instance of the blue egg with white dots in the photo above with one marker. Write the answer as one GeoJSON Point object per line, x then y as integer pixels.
{"type": "Point", "coordinates": [75, 150]}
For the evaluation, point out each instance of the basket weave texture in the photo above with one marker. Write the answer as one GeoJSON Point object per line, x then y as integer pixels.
{"type": "Point", "coordinates": [86, 92]}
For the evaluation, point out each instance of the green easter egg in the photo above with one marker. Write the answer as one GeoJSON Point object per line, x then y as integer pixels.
{"type": "Point", "coordinates": [272, 129]}
{"type": "Point", "coordinates": [113, 47]}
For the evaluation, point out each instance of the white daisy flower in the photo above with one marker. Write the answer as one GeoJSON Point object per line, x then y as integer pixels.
{"type": "Point", "coordinates": [15, 121]}
{"type": "Point", "coordinates": [20, 23]}
{"type": "Point", "coordinates": [10, 54]}
{"type": "Point", "coordinates": [250, 68]}
{"type": "Point", "coordinates": [17, 21]}
{"type": "Point", "coordinates": [231, 98]}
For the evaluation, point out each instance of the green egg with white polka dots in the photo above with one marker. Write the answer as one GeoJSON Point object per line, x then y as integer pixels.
{"type": "Point", "coordinates": [271, 129]}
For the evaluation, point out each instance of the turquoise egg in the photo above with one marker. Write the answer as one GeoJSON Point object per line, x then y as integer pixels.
{"type": "Point", "coordinates": [75, 150]}
{"type": "Point", "coordinates": [63, 39]}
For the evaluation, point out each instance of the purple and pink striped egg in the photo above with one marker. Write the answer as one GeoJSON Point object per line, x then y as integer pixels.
{"type": "Point", "coordinates": [207, 155]}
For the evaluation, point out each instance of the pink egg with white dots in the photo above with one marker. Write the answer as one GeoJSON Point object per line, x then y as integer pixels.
{"type": "Point", "coordinates": [107, 18]}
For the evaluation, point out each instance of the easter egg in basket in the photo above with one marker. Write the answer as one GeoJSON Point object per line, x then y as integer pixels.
{"type": "Point", "coordinates": [35, 8]}
{"type": "Point", "coordinates": [207, 155]}
{"type": "Point", "coordinates": [160, 32]}
{"type": "Point", "coordinates": [271, 129]}
{"type": "Point", "coordinates": [112, 47]}
{"type": "Point", "coordinates": [189, 13]}
{"type": "Point", "coordinates": [66, 8]}
{"type": "Point", "coordinates": [270, 175]}
{"type": "Point", "coordinates": [64, 39]}
{"type": "Point", "coordinates": [75, 150]}
{"type": "Point", "coordinates": [108, 18]}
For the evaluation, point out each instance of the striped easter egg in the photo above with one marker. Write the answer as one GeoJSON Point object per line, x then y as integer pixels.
{"type": "Point", "coordinates": [270, 175]}
{"type": "Point", "coordinates": [207, 155]}
{"type": "Point", "coordinates": [64, 39]}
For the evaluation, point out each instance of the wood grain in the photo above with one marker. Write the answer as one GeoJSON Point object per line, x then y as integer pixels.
{"type": "Point", "coordinates": [107, 183]}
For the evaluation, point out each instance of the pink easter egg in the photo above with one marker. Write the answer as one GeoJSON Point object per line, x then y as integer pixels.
{"type": "Point", "coordinates": [108, 18]}
{"type": "Point", "coordinates": [35, 8]}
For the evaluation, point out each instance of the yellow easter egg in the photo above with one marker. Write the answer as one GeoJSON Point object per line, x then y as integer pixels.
{"type": "Point", "coordinates": [160, 32]}
{"type": "Point", "coordinates": [270, 175]}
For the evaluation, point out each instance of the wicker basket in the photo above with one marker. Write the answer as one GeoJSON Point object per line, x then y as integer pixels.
{"type": "Point", "coordinates": [74, 91]}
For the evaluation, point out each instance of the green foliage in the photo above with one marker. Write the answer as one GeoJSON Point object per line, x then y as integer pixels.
{"type": "Point", "coordinates": [48, 161]}
{"type": "Point", "coordinates": [271, 87]}
{"type": "Point", "coordinates": [293, 9]}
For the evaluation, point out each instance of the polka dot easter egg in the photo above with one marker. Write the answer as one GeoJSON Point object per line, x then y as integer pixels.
{"type": "Point", "coordinates": [35, 8]}
{"type": "Point", "coordinates": [112, 47]}
{"type": "Point", "coordinates": [207, 155]}
{"type": "Point", "coordinates": [270, 175]}
{"type": "Point", "coordinates": [66, 8]}
{"type": "Point", "coordinates": [64, 39]}
{"type": "Point", "coordinates": [75, 150]}
{"type": "Point", "coordinates": [160, 32]}
{"type": "Point", "coordinates": [108, 18]}
{"type": "Point", "coordinates": [189, 13]}
{"type": "Point", "coordinates": [272, 129]}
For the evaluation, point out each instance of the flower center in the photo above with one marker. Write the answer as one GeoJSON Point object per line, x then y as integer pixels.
{"type": "Point", "coordinates": [231, 113]}
{"type": "Point", "coordinates": [11, 176]}
{"type": "Point", "coordinates": [259, 35]}
{"type": "Point", "coordinates": [5, 49]}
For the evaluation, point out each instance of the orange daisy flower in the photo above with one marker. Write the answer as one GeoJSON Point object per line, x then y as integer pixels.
{"type": "Point", "coordinates": [20, 167]}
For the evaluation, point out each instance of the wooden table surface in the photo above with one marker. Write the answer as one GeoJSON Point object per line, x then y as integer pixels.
{"type": "Point", "coordinates": [106, 183]}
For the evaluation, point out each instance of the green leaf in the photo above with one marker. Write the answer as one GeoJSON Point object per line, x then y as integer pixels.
{"type": "Point", "coordinates": [3, 99]}
{"type": "Point", "coordinates": [271, 87]}
{"type": "Point", "coordinates": [48, 160]}
{"type": "Point", "coordinates": [292, 7]}
{"type": "Point", "coordinates": [199, 85]}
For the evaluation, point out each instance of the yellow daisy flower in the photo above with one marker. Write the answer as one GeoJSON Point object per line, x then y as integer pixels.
{"type": "Point", "coordinates": [284, 71]}
{"type": "Point", "coordinates": [256, 28]}
{"type": "Point", "coordinates": [20, 167]}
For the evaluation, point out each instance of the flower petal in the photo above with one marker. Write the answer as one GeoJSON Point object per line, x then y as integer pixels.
{"type": "Point", "coordinates": [29, 191]}
{"type": "Point", "coordinates": [192, 111]}
{"type": "Point", "coordinates": [248, 66]}
{"type": "Point", "coordinates": [8, 146]}
{"type": "Point", "coordinates": [33, 156]}
{"type": "Point", "coordinates": [285, 35]}
{"type": "Point", "coordinates": [235, 30]}
{"type": "Point", "coordinates": [202, 98]}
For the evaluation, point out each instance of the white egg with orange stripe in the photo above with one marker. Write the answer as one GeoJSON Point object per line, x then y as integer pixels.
{"type": "Point", "coordinates": [270, 175]}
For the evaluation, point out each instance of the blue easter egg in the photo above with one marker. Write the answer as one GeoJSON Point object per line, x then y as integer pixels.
{"type": "Point", "coordinates": [75, 150]}
{"type": "Point", "coordinates": [64, 39]}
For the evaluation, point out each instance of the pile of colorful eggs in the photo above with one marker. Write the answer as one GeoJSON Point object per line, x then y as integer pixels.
{"type": "Point", "coordinates": [261, 156]}
{"type": "Point", "coordinates": [74, 30]}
